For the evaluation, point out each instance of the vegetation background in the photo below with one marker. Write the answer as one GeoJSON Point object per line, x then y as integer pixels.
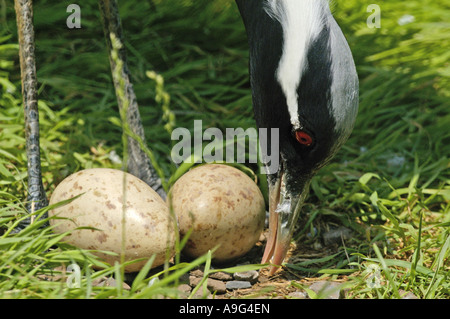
{"type": "Point", "coordinates": [390, 184]}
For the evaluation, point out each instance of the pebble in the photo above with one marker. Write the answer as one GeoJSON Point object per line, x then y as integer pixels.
{"type": "Point", "coordinates": [212, 284]}
{"type": "Point", "coordinates": [407, 295]}
{"type": "Point", "coordinates": [326, 289]}
{"type": "Point", "coordinates": [221, 276]}
{"type": "Point", "coordinates": [298, 295]}
{"type": "Point", "coordinates": [237, 284]}
{"type": "Point", "coordinates": [197, 273]}
{"type": "Point", "coordinates": [185, 290]}
{"type": "Point", "coordinates": [216, 285]}
{"type": "Point", "coordinates": [219, 282]}
{"type": "Point", "coordinates": [201, 294]}
{"type": "Point", "coordinates": [250, 276]}
{"type": "Point", "coordinates": [108, 282]}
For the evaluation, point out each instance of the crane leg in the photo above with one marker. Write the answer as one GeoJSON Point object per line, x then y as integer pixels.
{"type": "Point", "coordinates": [139, 163]}
{"type": "Point", "coordinates": [36, 198]}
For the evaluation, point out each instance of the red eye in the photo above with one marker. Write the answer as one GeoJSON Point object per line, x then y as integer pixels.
{"type": "Point", "coordinates": [303, 138]}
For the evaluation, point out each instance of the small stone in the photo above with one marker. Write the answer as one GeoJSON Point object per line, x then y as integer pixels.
{"type": "Point", "coordinates": [221, 276]}
{"type": "Point", "coordinates": [407, 295]}
{"type": "Point", "coordinates": [216, 285]}
{"type": "Point", "coordinates": [200, 294]}
{"type": "Point", "coordinates": [196, 273]}
{"type": "Point", "coordinates": [185, 289]}
{"type": "Point", "coordinates": [298, 295]}
{"type": "Point", "coordinates": [250, 276]}
{"type": "Point", "coordinates": [238, 284]}
{"type": "Point", "coordinates": [262, 237]}
{"type": "Point", "coordinates": [108, 282]}
{"type": "Point", "coordinates": [185, 292]}
{"type": "Point", "coordinates": [193, 280]}
{"type": "Point", "coordinates": [212, 284]}
{"type": "Point", "coordinates": [327, 290]}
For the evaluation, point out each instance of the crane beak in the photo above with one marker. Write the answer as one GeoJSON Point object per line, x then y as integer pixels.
{"type": "Point", "coordinates": [284, 208]}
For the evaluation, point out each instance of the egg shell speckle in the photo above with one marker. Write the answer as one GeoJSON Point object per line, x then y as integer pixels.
{"type": "Point", "coordinates": [223, 206]}
{"type": "Point", "coordinates": [149, 227]}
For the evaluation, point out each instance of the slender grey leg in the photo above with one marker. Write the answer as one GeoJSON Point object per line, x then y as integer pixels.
{"type": "Point", "coordinates": [36, 195]}
{"type": "Point", "coordinates": [139, 163]}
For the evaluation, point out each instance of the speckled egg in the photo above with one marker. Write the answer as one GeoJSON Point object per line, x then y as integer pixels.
{"type": "Point", "coordinates": [222, 206]}
{"type": "Point", "coordinates": [149, 228]}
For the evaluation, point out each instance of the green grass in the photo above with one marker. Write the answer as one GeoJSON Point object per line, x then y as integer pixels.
{"type": "Point", "coordinates": [390, 184]}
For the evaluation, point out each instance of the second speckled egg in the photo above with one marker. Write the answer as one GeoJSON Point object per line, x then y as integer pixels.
{"type": "Point", "coordinates": [223, 207]}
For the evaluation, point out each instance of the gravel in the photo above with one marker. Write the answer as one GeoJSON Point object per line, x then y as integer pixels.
{"type": "Point", "coordinates": [219, 282]}
{"type": "Point", "coordinates": [250, 276]}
